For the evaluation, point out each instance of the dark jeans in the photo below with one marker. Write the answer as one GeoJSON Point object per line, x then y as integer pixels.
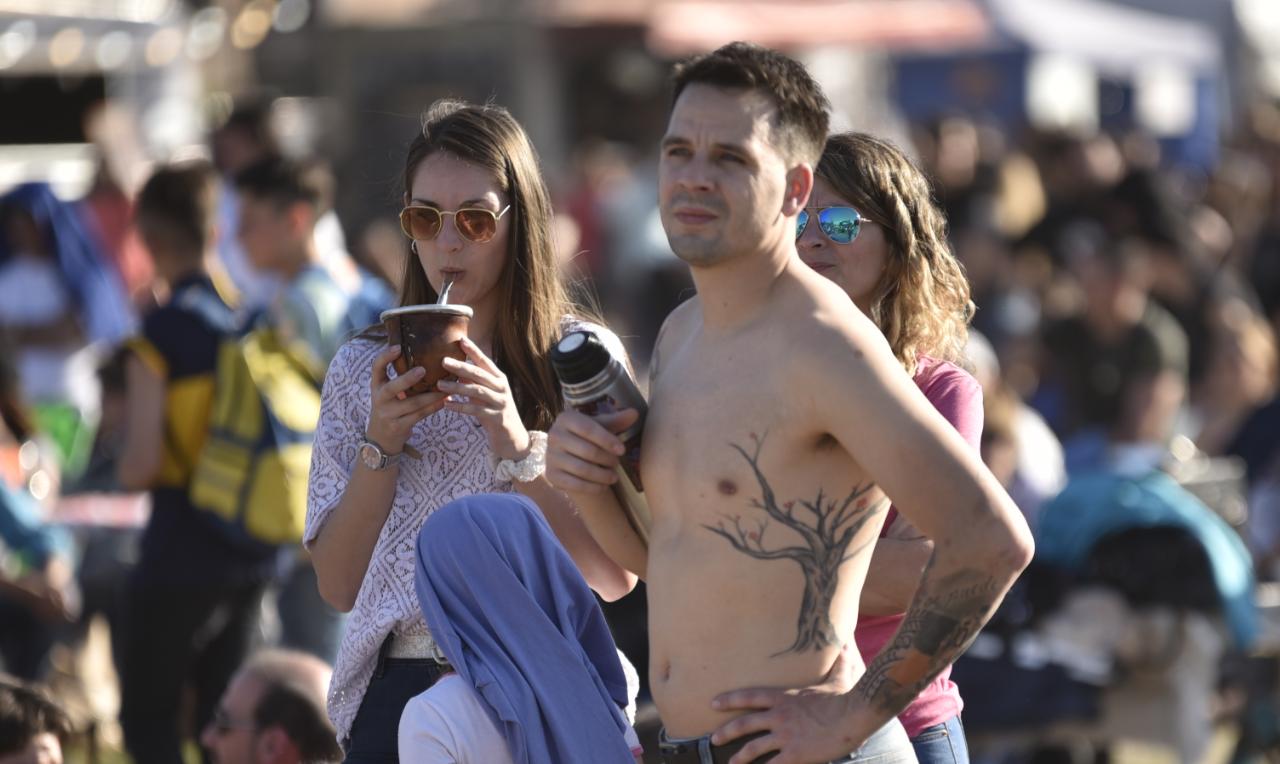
{"type": "Point", "coordinates": [375, 731]}
{"type": "Point", "coordinates": [107, 558]}
{"type": "Point", "coordinates": [173, 636]}
{"type": "Point", "coordinates": [25, 641]}
{"type": "Point", "coordinates": [942, 743]}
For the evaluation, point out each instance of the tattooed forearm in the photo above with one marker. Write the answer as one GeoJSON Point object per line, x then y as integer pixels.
{"type": "Point", "coordinates": [826, 526]}
{"type": "Point", "coordinates": [942, 621]}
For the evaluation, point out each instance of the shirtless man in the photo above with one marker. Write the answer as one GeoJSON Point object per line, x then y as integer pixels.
{"type": "Point", "coordinates": [779, 425]}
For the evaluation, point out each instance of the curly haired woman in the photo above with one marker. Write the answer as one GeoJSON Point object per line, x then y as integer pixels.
{"type": "Point", "coordinates": [872, 227]}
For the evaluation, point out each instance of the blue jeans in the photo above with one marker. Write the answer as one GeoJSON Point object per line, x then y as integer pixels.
{"type": "Point", "coordinates": [942, 743]}
{"type": "Point", "coordinates": [889, 745]}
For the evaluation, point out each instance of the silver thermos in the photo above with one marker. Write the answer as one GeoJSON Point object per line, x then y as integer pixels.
{"type": "Point", "coordinates": [596, 383]}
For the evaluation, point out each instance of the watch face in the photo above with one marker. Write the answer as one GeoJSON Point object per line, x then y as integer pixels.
{"type": "Point", "coordinates": [371, 456]}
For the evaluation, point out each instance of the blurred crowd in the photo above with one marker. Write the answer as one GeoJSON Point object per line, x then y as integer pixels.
{"type": "Point", "coordinates": [1126, 326]}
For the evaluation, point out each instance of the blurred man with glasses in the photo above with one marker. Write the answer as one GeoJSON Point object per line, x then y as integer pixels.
{"type": "Point", "coordinates": [273, 713]}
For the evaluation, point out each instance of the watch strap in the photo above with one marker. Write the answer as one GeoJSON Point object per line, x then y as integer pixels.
{"type": "Point", "coordinates": [385, 459]}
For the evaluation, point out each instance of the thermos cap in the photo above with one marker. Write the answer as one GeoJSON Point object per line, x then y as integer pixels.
{"type": "Point", "coordinates": [578, 357]}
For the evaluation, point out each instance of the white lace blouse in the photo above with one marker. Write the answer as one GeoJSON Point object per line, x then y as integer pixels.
{"type": "Point", "coordinates": [456, 462]}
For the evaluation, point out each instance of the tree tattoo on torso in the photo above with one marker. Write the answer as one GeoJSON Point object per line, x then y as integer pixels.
{"type": "Point", "coordinates": [826, 526]}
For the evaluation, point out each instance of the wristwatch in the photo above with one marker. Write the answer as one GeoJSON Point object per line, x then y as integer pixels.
{"type": "Point", "coordinates": [375, 458]}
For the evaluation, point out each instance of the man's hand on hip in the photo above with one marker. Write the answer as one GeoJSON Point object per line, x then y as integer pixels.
{"type": "Point", "coordinates": [809, 726]}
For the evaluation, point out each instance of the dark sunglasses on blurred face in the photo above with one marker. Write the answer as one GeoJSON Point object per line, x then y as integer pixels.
{"type": "Point", "coordinates": [840, 224]}
{"type": "Point", "coordinates": [419, 221]}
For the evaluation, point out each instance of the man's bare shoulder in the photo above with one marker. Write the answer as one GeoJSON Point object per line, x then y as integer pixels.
{"type": "Point", "coordinates": [681, 319]}
{"type": "Point", "coordinates": [676, 327]}
{"type": "Point", "coordinates": [824, 324]}
{"type": "Point", "coordinates": [833, 351]}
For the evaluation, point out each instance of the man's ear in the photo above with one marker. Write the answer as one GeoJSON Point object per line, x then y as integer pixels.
{"type": "Point", "coordinates": [302, 217]}
{"type": "Point", "coordinates": [272, 745]}
{"type": "Point", "coordinates": [799, 186]}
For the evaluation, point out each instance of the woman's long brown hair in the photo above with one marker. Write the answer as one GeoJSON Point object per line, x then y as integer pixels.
{"type": "Point", "coordinates": [533, 300]}
{"type": "Point", "coordinates": [922, 302]}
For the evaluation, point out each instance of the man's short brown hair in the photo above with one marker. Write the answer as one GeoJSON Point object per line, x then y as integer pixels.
{"type": "Point", "coordinates": [25, 712]}
{"type": "Point", "coordinates": [287, 181]}
{"type": "Point", "coordinates": [803, 112]}
{"type": "Point", "coordinates": [179, 202]}
{"type": "Point", "coordinates": [293, 701]}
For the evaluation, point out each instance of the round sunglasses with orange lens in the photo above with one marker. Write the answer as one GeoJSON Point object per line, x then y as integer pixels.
{"type": "Point", "coordinates": [423, 222]}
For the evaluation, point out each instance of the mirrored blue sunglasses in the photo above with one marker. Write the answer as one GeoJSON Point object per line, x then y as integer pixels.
{"type": "Point", "coordinates": [840, 224]}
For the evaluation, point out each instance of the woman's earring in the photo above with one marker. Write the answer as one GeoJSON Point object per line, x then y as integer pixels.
{"type": "Point", "coordinates": [413, 245]}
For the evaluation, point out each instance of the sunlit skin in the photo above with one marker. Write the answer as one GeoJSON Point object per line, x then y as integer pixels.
{"type": "Point", "coordinates": [448, 183]}
{"type": "Point", "coordinates": [44, 748]}
{"type": "Point", "coordinates": [275, 237]}
{"type": "Point", "coordinates": [776, 409]}
{"type": "Point", "coordinates": [728, 198]}
{"type": "Point", "coordinates": [235, 746]}
{"type": "Point", "coordinates": [720, 182]}
{"type": "Point", "coordinates": [856, 267]}
{"type": "Point", "coordinates": [480, 390]}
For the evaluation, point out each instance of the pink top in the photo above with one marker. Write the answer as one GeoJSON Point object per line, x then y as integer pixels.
{"type": "Point", "coordinates": [958, 397]}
